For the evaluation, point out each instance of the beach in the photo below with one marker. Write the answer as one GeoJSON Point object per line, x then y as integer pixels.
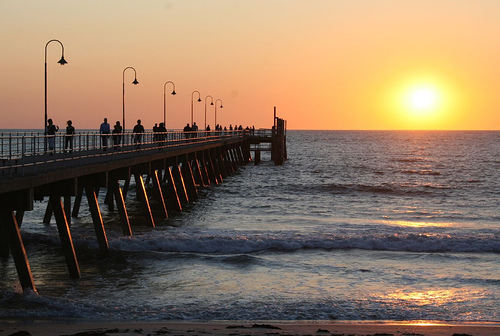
{"type": "Point", "coordinates": [82, 328]}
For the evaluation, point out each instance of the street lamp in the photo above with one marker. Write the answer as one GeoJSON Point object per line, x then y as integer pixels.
{"type": "Point", "coordinates": [165, 101]}
{"type": "Point", "coordinates": [216, 110]}
{"type": "Point", "coordinates": [135, 82]}
{"type": "Point", "coordinates": [62, 61]}
{"type": "Point", "coordinates": [211, 103]}
{"type": "Point", "coordinates": [199, 101]}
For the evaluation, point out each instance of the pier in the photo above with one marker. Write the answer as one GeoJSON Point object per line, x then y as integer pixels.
{"type": "Point", "coordinates": [168, 168]}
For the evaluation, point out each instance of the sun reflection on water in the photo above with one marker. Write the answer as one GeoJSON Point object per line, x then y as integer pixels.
{"type": "Point", "coordinates": [434, 297]}
{"type": "Point", "coordinates": [416, 224]}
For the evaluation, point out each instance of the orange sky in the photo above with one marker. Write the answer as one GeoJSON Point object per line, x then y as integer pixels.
{"type": "Point", "coordinates": [325, 64]}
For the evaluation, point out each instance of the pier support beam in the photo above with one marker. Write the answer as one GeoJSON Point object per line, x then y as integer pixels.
{"type": "Point", "coordinates": [122, 210]}
{"type": "Point", "coordinates": [187, 173]}
{"type": "Point", "coordinates": [159, 194]}
{"type": "Point", "coordinates": [10, 227]}
{"type": "Point", "coordinates": [97, 219]}
{"type": "Point", "coordinates": [204, 171]}
{"type": "Point", "coordinates": [172, 190]}
{"type": "Point", "coordinates": [65, 236]}
{"type": "Point", "coordinates": [48, 213]}
{"type": "Point", "coordinates": [181, 186]}
{"type": "Point", "coordinates": [143, 198]}
{"type": "Point", "coordinates": [199, 177]}
{"type": "Point", "coordinates": [78, 201]}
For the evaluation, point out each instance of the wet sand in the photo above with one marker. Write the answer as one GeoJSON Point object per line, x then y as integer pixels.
{"type": "Point", "coordinates": [276, 328]}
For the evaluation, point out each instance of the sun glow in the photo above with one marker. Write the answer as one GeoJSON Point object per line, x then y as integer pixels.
{"type": "Point", "coordinates": [423, 99]}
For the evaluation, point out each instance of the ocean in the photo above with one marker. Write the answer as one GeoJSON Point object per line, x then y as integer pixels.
{"type": "Point", "coordinates": [356, 225]}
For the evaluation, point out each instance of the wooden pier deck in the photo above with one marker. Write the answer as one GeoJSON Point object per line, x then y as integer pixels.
{"type": "Point", "coordinates": [169, 168]}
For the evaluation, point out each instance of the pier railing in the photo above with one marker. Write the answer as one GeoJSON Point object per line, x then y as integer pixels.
{"type": "Point", "coordinates": [19, 150]}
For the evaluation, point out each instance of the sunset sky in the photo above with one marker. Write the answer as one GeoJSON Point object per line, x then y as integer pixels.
{"type": "Point", "coordinates": [324, 64]}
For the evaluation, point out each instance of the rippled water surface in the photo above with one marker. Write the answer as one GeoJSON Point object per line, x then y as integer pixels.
{"type": "Point", "coordinates": [354, 226]}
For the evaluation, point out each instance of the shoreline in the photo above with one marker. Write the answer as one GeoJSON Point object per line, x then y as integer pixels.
{"type": "Point", "coordinates": [78, 327]}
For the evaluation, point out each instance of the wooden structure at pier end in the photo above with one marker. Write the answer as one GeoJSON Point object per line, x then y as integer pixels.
{"type": "Point", "coordinates": [167, 168]}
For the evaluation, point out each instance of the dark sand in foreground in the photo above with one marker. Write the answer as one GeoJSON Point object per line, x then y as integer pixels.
{"type": "Point", "coordinates": [88, 328]}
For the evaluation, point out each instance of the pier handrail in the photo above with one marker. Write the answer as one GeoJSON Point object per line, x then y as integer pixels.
{"type": "Point", "coordinates": [19, 150]}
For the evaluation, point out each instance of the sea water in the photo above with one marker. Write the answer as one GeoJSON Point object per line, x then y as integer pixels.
{"type": "Point", "coordinates": [356, 225]}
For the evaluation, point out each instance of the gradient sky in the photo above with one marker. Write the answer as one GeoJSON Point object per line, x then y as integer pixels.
{"type": "Point", "coordinates": [325, 64]}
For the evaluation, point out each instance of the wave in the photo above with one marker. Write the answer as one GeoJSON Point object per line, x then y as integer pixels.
{"type": "Point", "coordinates": [229, 243]}
{"type": "Point", "coordinates": [386, 189]}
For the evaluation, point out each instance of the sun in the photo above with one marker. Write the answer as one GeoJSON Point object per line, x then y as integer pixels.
{"type": "Point", "coordinates": [423, 99]}
{"type": "Point", "coordinates": [420, 101]}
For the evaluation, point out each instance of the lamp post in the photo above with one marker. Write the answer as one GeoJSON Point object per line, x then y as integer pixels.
{"type": "Point", "coordinates": [165, 101]}
{"type": "Point", "coordinates": [135, 82]}
{"type": "Point", "coordinates": [62, 61]}
{"type": "Point", "coordinates": [211, 103]}
{"type": "Point", "coordinates": [192, 108]}
{"type": "Point", "coordinates": [216, 110]}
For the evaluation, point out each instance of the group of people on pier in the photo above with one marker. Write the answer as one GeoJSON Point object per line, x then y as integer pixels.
{"type": "Point", "coordinates": [116, 134]}
{"type": "Point", "coordinates": [192, 131]}
{"type": "Point", "coordinates": [137, 133]}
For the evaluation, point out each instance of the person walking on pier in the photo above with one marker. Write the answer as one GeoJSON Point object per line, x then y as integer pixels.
{"type": "Point", "coordinates": [104, 130]}
{"type": "Point", "coordinates": [117, 135]}
{"type": "Point", "coordinates": [195, 130]}
{"type": "Point", "coordinates": [162, 133]}
{"type": "Point", "coordinates": [51, 133]}
{"type": "Point", "coordinates": [137, 136]}
{"type": "Point", "coordinates": [187, 130]}
{"type": "Point", "coordinates": [68, 139]}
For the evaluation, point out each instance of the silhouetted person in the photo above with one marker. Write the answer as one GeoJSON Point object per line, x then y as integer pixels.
{"type": "Point", "coordinates": [51, 133]}
{"type": "Point", "coordinates": [104, 130]}
{"type": "Point", "coordinates": [161, 132]}
{"type": "Point", "coordinates": [155, 132]}
{"type": "Point", "coordinates": [187, 130]}
{"type": "Point", "coordinates": [195, 130]}
{"type": "Point", "coordinates": [68, 139]}
{"type": "Point", "coordinates": [138, 130]}
{"type": "Point", "coordinates": [117, 135]}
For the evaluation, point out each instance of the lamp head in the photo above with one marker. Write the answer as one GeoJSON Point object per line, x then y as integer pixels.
{"type": "Point", "coordinates": [135, 82]}
{"type": "Point", "coordinates": [221, 106]}
{"type": "Point", "coordinates": [199, 100]}
{"type": "Point", "coordinates": [62, 61]}
{"type": "Point", "coordinates": [211, 103]}
{"type": "Point", "coordinates": [174, 93]}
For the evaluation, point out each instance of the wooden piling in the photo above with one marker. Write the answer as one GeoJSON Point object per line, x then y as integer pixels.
{"type": "Point", "coordinates": [229, 159]}
{"type": "Point", "coordinates": [172, 190]}
{"type": "Point", "coordinates": [19, 217]}
{"type": "Point", "coordinates": [204, 171]}
{"type": "Point", "coordinates": [65, 236]}
{"type": "Point", "coordinates": [78, 201]}
{"type": "Point", "coordinates": [97, 219]}
{"type": "Point", "coordinates": [48, 213]}
{"type": "Point", "coordinates": [143, 198]}
{"type": "Point", "coordinates": [181, 186]}
{"type": "Point", "coordinates": [187, 173]}
{"type": "Point", "coordinates": [108, 199]}
{"type": "Point", "coordinates": [257, 157]}
{"type": "Point", "coordinates": [122, 210]}
{"type": "Point", "coordinates": [223, 164]}
{"type": "Point", "coordinates": [10, 227]}
{"type": "Point", "coordinates": [198, 174]}
{"type": "Point", "coordinates": [215, 165]}
{"type": "Point", "coordinates": [159, 194]}
{"type": "Point", "coordinates": [67, 208]}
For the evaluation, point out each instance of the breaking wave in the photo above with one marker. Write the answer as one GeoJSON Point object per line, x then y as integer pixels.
{"type": "Point", "coordinates": [229, 243]}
